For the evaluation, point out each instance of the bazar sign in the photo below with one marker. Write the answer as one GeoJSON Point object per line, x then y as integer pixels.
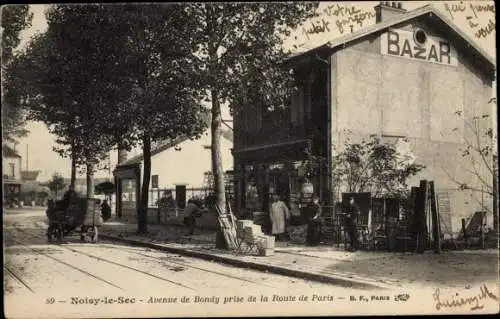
{"type": "Point", "coordinates": [432, 49]}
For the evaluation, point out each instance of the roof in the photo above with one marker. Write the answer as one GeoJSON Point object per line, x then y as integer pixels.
{"type": "Point", "coordinates": [395, 21]}
{"type": "Point", "coordinates": [165, 145]}
{"type": "Point", "coordinates": [83, 180]}
{"type": "Point", "coordinates": [160, 148]}
{"type": "Point", "coordinates": [8, 151]}
{"type": "Point", "coordinates": [169, 143]}
{"type": "Point", "coordinates": [29, 175]}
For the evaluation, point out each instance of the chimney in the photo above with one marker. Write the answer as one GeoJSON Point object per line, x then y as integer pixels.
{"type": "Point", "coordinates": [386, 10]}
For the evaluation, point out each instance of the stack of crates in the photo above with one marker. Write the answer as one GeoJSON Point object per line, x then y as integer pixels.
{"type": "Point", "coordinates": [252, 233]}
{"type": "Point", "coordinates": [266, 245]}
{"type": "Point", "coordinates": [240, 226]}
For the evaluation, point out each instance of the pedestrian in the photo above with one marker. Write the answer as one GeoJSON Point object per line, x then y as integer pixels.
{"type": "Point", "coordinates": [191, 211]}
{"type": "Point", "coordinates": [314, 222]}
{"type": "Point", "coordinates": [279, 215]}
{"type": "Point", "coordinates": [352, 213]}
{"type": "Point", "coordinates": [105, 210]}
{"type": "Point", "coordinates": [165, 205]}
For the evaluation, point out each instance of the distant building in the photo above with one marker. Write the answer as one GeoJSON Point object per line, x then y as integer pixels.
{"type": "Point", "coordinates": [11, 170]}
{"type": "Point", "coordinates": [181, 161]}
{"type": "Point", "coordinates": [29, 175]}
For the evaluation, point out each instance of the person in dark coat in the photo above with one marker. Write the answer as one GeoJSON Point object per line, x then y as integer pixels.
{"type": "Point", "coordinates": [105, 210]}
{"type": "Point", "coordinates": [352, 213]}
{"type": "Point", "coordinates": [314, 222]}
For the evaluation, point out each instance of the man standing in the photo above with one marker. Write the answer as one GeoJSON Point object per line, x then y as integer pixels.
{"type": "Point", "coordinates": [191, 211]}
{"type": "Point", "coordinates": [165, 204]}
{"type": "Point", "coordinates": [352, 213]}
{"type": "Point", "coordinates": [278, 214]}
{"type": "Point", "coordinates": [314, 222]}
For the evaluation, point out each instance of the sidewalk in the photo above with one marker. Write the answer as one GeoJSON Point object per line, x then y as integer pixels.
{"type": "Point", "coordinates": [363, 270]}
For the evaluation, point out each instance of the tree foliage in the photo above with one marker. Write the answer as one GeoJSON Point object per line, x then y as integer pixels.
{"type": "Point", "coordinates": [373, 166]}
{"type": "Point", "coordinates": [160, 102]}
{"type": "Point", "coordinates": [15, 18]}
{"type": "Point", "coordinates": [238, 52]}
{"type": "Point", "coordinates": [65, 76]}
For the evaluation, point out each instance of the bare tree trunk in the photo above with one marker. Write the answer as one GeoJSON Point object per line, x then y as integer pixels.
{"type": "Point", "coordinates": [142, 216]}
{"type": "Point", "coordinates": [90, 181]}
{"type": "Point", "coordinates": [217, 169]}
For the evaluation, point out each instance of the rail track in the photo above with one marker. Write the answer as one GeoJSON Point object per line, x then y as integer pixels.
{"type": "Point", "coordinates": [17, 277]}
{"type": "Point", "coordinates": [41, 253]}
{"type": "Point", "coordinates": [159, 259]}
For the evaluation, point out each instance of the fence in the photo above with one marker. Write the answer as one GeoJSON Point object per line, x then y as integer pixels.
{"type": "Point", "coordinates": [199, 192]}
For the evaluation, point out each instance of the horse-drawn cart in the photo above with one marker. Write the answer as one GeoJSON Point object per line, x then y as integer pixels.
{"type": "Point", "coordinates": [67, 216]}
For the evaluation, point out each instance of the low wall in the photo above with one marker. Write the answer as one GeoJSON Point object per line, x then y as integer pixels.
{"type": "Point", "coordinates": [208, 219]}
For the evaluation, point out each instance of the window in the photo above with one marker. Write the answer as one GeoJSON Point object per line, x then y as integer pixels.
{"type": "Point", "coordinates": [12, 170]}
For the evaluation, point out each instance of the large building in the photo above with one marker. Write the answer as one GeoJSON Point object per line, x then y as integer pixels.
{"type": "Point", "coordinates": [413, 76]}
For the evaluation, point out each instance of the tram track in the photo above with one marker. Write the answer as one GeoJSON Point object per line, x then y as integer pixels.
{"type": "Point", "coordinates": [197, 268]}
{"type": "Point", "coordinates": [67, 264]}
{"type": "Point", "coordinates": [17, 277]}
{"type": "Point", "coordinates": [159, 259]}
{"type": "Point", "coordinates": [115, 263]}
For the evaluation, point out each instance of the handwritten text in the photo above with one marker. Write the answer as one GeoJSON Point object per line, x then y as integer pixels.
{"type": "Point", "coordinates": [346, 17]}
{"type": "Point", "coordinates": [458, 301]}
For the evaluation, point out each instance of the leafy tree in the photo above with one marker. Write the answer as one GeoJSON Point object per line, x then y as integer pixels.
{"type": "Point", "coordinates": [237, 49]}
{"type": "Point", "coordinates": [373, 166]}
{"type": "Point", "coordinates": [56, 183]}
{"type": "Point", "coordinates": [65, 78]}
{"type": "Point", "coordinates": [161, 103]}
{"type": "Point", "coordinates": [15, 18]}
{"type": "Point", "coordinates": [481, 157]}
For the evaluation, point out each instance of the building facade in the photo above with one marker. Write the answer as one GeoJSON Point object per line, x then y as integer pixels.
{"type": "Point", "coordinates": [11, 179]}
{"type": "Point", "coordinates": [179, 162]}
{"type": "Point", "coordinates": [413, 77]}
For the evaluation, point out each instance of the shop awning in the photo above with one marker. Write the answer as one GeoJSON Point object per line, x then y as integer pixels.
{"type": "Point", "coordinates": [293, 150]}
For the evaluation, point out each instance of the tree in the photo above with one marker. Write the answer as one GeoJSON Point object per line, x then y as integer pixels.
{"type": "Point", "coordinates": [238, 52]}
{"type": "Point", "coordinates": [65, 79]}
{"type": "Point", "coordinates": [162, 103]}
{"type": "Point", "coordinates": [373, 166]}
{"type": "Point", "coordinates": [481, 159]}
{"type": "Point", "coordinates": [15, 18]}
{"type": "Point", "coordinates": [56, 183]}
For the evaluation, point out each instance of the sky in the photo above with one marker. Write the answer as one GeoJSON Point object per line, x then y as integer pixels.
{"type": "Point", "coordinates": [469, 16]}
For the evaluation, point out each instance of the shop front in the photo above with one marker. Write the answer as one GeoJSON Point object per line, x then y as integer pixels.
{"type": "Point", "coordinates": [284, 170]}
{"type": "Point", "coordinates": [127, 181]}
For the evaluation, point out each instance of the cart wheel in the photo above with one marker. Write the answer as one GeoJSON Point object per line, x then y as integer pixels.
{"type": "Point", "coordinates": [60, 233]}
{"type": "Point", "coordinates": [49, 233]}
{"type": "Point", "coordinates": [82, 234]}
{"type": "Point", "coordinates": [53, 233]}
{"type": "Point", "coordinates": [94, 234]}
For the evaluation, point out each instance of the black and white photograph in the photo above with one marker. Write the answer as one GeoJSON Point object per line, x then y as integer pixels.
{"type": "Point", "coordinates": [248, 159]}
